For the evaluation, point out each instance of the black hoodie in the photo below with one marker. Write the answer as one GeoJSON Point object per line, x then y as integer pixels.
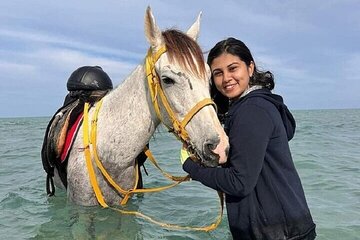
{"type": "Point", "coordinates": [264, 196]}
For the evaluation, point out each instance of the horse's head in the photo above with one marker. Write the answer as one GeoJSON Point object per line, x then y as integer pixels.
{"type": "Point", "coordinates": [179, 84]}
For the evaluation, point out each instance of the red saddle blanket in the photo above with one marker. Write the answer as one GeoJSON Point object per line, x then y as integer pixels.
{"type": "Point", "coordinates": [70, 136]}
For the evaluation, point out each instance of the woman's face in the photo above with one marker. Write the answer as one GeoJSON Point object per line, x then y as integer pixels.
{"type": "Point", "coordinates": [231, 75]}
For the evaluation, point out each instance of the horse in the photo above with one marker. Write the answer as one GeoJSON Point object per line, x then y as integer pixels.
{"type": "Point", "coordinates": [131, 112]}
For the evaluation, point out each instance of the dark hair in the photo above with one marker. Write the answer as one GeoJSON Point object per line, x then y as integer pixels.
{"type": "Point", "coordinates": [237, 48]}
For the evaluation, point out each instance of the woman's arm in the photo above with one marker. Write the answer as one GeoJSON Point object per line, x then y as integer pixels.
{"type": "Point", "coordinates": [249, 136]}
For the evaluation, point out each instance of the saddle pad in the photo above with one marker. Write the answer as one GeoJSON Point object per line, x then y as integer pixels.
{"type": "Point", "coordinates": [70, 136]}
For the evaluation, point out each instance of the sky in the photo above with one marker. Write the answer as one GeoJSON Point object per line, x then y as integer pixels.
{"type": "Point", "coordinates": [311, 46]}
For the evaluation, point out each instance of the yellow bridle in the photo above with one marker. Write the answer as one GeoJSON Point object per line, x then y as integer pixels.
{"type": "Point", "coordinates": [178, 127]}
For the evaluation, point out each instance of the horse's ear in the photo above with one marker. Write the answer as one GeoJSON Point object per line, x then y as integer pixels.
{"type": "Point", "coordinates": [152, 31]}
{"type": "Point", "coordinates": [194, 30]}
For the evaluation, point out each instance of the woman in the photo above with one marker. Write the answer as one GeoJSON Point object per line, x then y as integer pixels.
{"type": "Point", "coordinates": [264, 196]}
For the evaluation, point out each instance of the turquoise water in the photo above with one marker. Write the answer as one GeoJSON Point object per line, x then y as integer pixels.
{"type": "Point", "coordinates": [325, 149]}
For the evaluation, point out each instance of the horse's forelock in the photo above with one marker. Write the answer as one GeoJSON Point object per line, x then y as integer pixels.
{"type": "Point", "coordinates": [184, 50]}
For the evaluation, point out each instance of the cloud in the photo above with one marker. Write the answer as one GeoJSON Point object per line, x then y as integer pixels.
{"type": "Point", "coordinates": [35, 82]}
{"type": "Point", "coordinates": [37, 38]}
{"type": "Point", "coordinates": [312, 47]}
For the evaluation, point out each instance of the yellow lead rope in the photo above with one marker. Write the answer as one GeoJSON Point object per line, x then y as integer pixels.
{"type": "Point", "coordinates": [128, 193]}
{"type": "Point", "coordinates": [89, 165]}
{"type": "Point", "coordinates": [125, 193]}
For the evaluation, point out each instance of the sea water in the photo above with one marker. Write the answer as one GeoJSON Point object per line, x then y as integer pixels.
{"type": "Point", "coordinates": [326, 151]}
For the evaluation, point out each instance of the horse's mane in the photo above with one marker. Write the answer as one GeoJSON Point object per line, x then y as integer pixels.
{"type": "Point", "coordinates": [184, 50]}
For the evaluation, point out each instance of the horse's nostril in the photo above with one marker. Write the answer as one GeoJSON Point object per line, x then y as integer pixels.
{"type": "Point", "coordinates": [210, 158]}
{"type": "Point", "coordinates": [210, 145]}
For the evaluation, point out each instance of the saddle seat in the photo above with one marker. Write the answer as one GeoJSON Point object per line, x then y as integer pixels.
{"type": "Point", "coordinates": [59, 136]}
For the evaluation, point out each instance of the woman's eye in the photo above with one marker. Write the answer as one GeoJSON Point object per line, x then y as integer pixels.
{"type": "Point", "coordinates": [217, 74]}
{"type": "Point", "coordinates": [232, 69]}
{"type": "Point", "coordinates": [168, 80]}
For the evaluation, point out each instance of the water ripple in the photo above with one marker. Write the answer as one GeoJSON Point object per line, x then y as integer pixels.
{"type": "Point", "coordinates": [325, 151]}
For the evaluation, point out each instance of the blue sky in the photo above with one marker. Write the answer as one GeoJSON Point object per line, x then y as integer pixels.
{"type": "Point", "coordinates": [311, 46]}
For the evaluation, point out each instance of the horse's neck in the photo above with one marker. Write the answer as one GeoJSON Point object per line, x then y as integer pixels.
{"type": "Point", "coordinates": [126, 120]}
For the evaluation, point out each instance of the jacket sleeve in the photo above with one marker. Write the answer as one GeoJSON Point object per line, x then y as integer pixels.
{"type": "Point", "coordinates": [249, 135]}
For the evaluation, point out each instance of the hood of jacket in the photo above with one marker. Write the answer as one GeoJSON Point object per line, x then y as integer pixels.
{"type": "Point", "coordinates": [277, 100]}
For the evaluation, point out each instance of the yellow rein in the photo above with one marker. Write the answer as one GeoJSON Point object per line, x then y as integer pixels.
{"type": "Point", "coordinates": [127, 193]}
{"type": "Point", "coordinates": [178, 129]}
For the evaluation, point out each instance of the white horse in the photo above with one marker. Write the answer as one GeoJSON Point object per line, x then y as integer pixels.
{"type": "Point", "coordinates": [128, 119]}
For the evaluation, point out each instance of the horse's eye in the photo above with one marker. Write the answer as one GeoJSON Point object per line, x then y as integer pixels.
{"type": "Point", "coordinates": [168, 80]}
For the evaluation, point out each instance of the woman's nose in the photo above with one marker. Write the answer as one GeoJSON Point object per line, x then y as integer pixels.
{"type": "Point", "coordinates": [227, 76]}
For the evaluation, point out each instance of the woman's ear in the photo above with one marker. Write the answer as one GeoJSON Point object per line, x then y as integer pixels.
{"type": "Point", "coordinates": [251, 68]}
